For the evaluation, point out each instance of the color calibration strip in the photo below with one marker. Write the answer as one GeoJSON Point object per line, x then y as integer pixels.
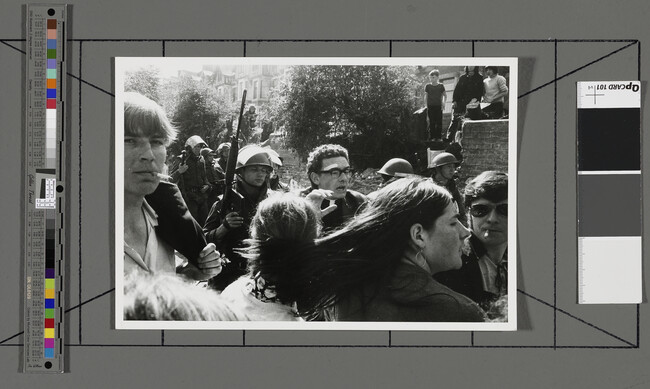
{"type": "Point", "coordinates": [50, 285]}
{"type": "Point", "coordinates": [44, 213]}
{"type": "Point", "coordinates": [609, 192]}
{"type": "Point", "coordinates": [51, 103]}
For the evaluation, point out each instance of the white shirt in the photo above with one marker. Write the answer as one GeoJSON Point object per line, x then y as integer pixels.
{"type": "Point", "coordinates": [158, 257]}
{"type": "Point", "coordinates": [492, 87]}
{"type": "Point", "coordinates": [240, 293]}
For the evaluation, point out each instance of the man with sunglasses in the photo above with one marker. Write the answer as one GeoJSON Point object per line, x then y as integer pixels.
{"type": "Point", "coordinates": [328, 169]}
{"type": "Point", "coordinates": [483, 276]}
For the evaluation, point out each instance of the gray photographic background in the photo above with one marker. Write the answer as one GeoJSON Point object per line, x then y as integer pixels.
{"type": "Point", "coordinates": [559, 343]}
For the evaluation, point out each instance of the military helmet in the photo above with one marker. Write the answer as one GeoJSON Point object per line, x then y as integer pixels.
{"type": "Point", "coordinates": [194, 140]}
{"type": "Point", "coordinates": [396, 167]}
{"type": "Point", "coordinates": [253, 155]}
{"type": "Point", "coordinates": [443, 159]}
{"type": "Point", "coordinates": [206, 151]}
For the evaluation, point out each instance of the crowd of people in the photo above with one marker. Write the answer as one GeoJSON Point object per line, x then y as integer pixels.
{"type": "Point", "coordinates": [199, 248]}
{"type": "Point", "coordinates": [475, 97]}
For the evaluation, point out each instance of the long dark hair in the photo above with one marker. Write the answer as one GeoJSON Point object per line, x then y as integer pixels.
{"type": "Point", "coordinates": [281, 223]}
{"type": "Point", "coordinates": [364, 253]}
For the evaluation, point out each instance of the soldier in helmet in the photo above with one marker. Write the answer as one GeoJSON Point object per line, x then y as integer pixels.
{"type": "Point", "coordinates": [444, 169]}
{"type": "Point", "coordinates": [254, 165]}
{"type": "Point", "coordinates": [394, 169]}
{"type": "Point", "coordinates": [190, 175]}
{"type": "Point", "coordinates": [219, 165]}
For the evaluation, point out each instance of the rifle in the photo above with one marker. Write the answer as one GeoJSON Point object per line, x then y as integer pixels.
{"type": "Point", "coordinates": [230, 194]}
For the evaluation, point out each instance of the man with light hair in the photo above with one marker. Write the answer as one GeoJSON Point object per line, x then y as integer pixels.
{"type": "Point", "coordinates": [149, 243]}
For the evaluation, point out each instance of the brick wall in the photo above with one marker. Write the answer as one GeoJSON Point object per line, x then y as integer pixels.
{"type": "Point", "coordinates": [485, 147]}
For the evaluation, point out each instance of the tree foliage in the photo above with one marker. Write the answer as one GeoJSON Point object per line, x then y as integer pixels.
{"type": "Point", "coordinates": [145, 81]}
{"type": "Point", "coordinates": [368, 109]}
{"type": "Point", "coordinates": [195, 109]}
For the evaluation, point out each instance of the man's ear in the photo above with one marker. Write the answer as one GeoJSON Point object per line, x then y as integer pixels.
{"type": "Point", "coordinates": [416, 233]}
{"type": "Point", "coordinates": [314, 178]}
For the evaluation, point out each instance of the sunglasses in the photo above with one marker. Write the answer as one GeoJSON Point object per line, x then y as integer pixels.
{"type": "Point", "coordinates": [481, 210]}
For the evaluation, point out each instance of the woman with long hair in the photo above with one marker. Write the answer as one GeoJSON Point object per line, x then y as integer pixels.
{"type": "Point", "coordinates": [273, 285]}
{"type": "Point", "coordinates": [379, 266]}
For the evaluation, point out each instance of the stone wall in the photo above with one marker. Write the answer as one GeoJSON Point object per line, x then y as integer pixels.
{"type": "Point", "coordinates": [485, 147]}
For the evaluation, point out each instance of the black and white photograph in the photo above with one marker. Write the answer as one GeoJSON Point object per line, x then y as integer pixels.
{"type": "Point", "coordinates": [316, 193]}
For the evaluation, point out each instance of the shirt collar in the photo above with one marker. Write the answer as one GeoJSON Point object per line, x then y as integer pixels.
{"type": "Point", "coordinates": [149, 213]}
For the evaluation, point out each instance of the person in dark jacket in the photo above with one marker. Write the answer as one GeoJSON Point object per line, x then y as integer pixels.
{"type": "Point", "coordinates": [469, 89]}
{"type": "Point", "coordinates": [228, 229]}
{"type": "Point", "coordinates": [379, 265]}
{"type": "Point", "coordinates": [211, 175]}
{"type": "Point", "coordinates": [194, 182]}
{"type": "Point", "coordinates": [484, 276]}
{"type": "Point", "coordinates": [328, 168]}
{"type": "Point", "coordinates": [221, 163]}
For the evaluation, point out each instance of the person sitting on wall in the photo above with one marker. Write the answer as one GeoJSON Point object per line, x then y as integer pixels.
{"type": "Point", "coordinates": [495, 89]}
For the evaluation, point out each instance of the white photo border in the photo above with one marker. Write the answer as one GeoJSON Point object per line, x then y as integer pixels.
{"type": "Point", "coordinates": [124, 64]}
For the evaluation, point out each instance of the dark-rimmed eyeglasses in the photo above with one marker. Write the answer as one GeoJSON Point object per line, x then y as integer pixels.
{"type": "Point", "coordinates": [481, 210]}
{"type": "Point", "coordinates": [336, 173]}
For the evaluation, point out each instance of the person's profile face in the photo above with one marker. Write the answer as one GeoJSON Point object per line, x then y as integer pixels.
{"type": "Point", "coordinates": [144, 158]}
{"type": "Point", "coordinates": [334, 176]}
{"type": "Point", "coordinates": [489, 223]}
{"type": "Point", "coordinates": [444, 241]}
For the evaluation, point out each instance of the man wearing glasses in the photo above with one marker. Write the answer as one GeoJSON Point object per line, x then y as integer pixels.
{"type": "Point", "coordinates": [484, 276]}
{"type": "Point", "coordinates": [328, 169]}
